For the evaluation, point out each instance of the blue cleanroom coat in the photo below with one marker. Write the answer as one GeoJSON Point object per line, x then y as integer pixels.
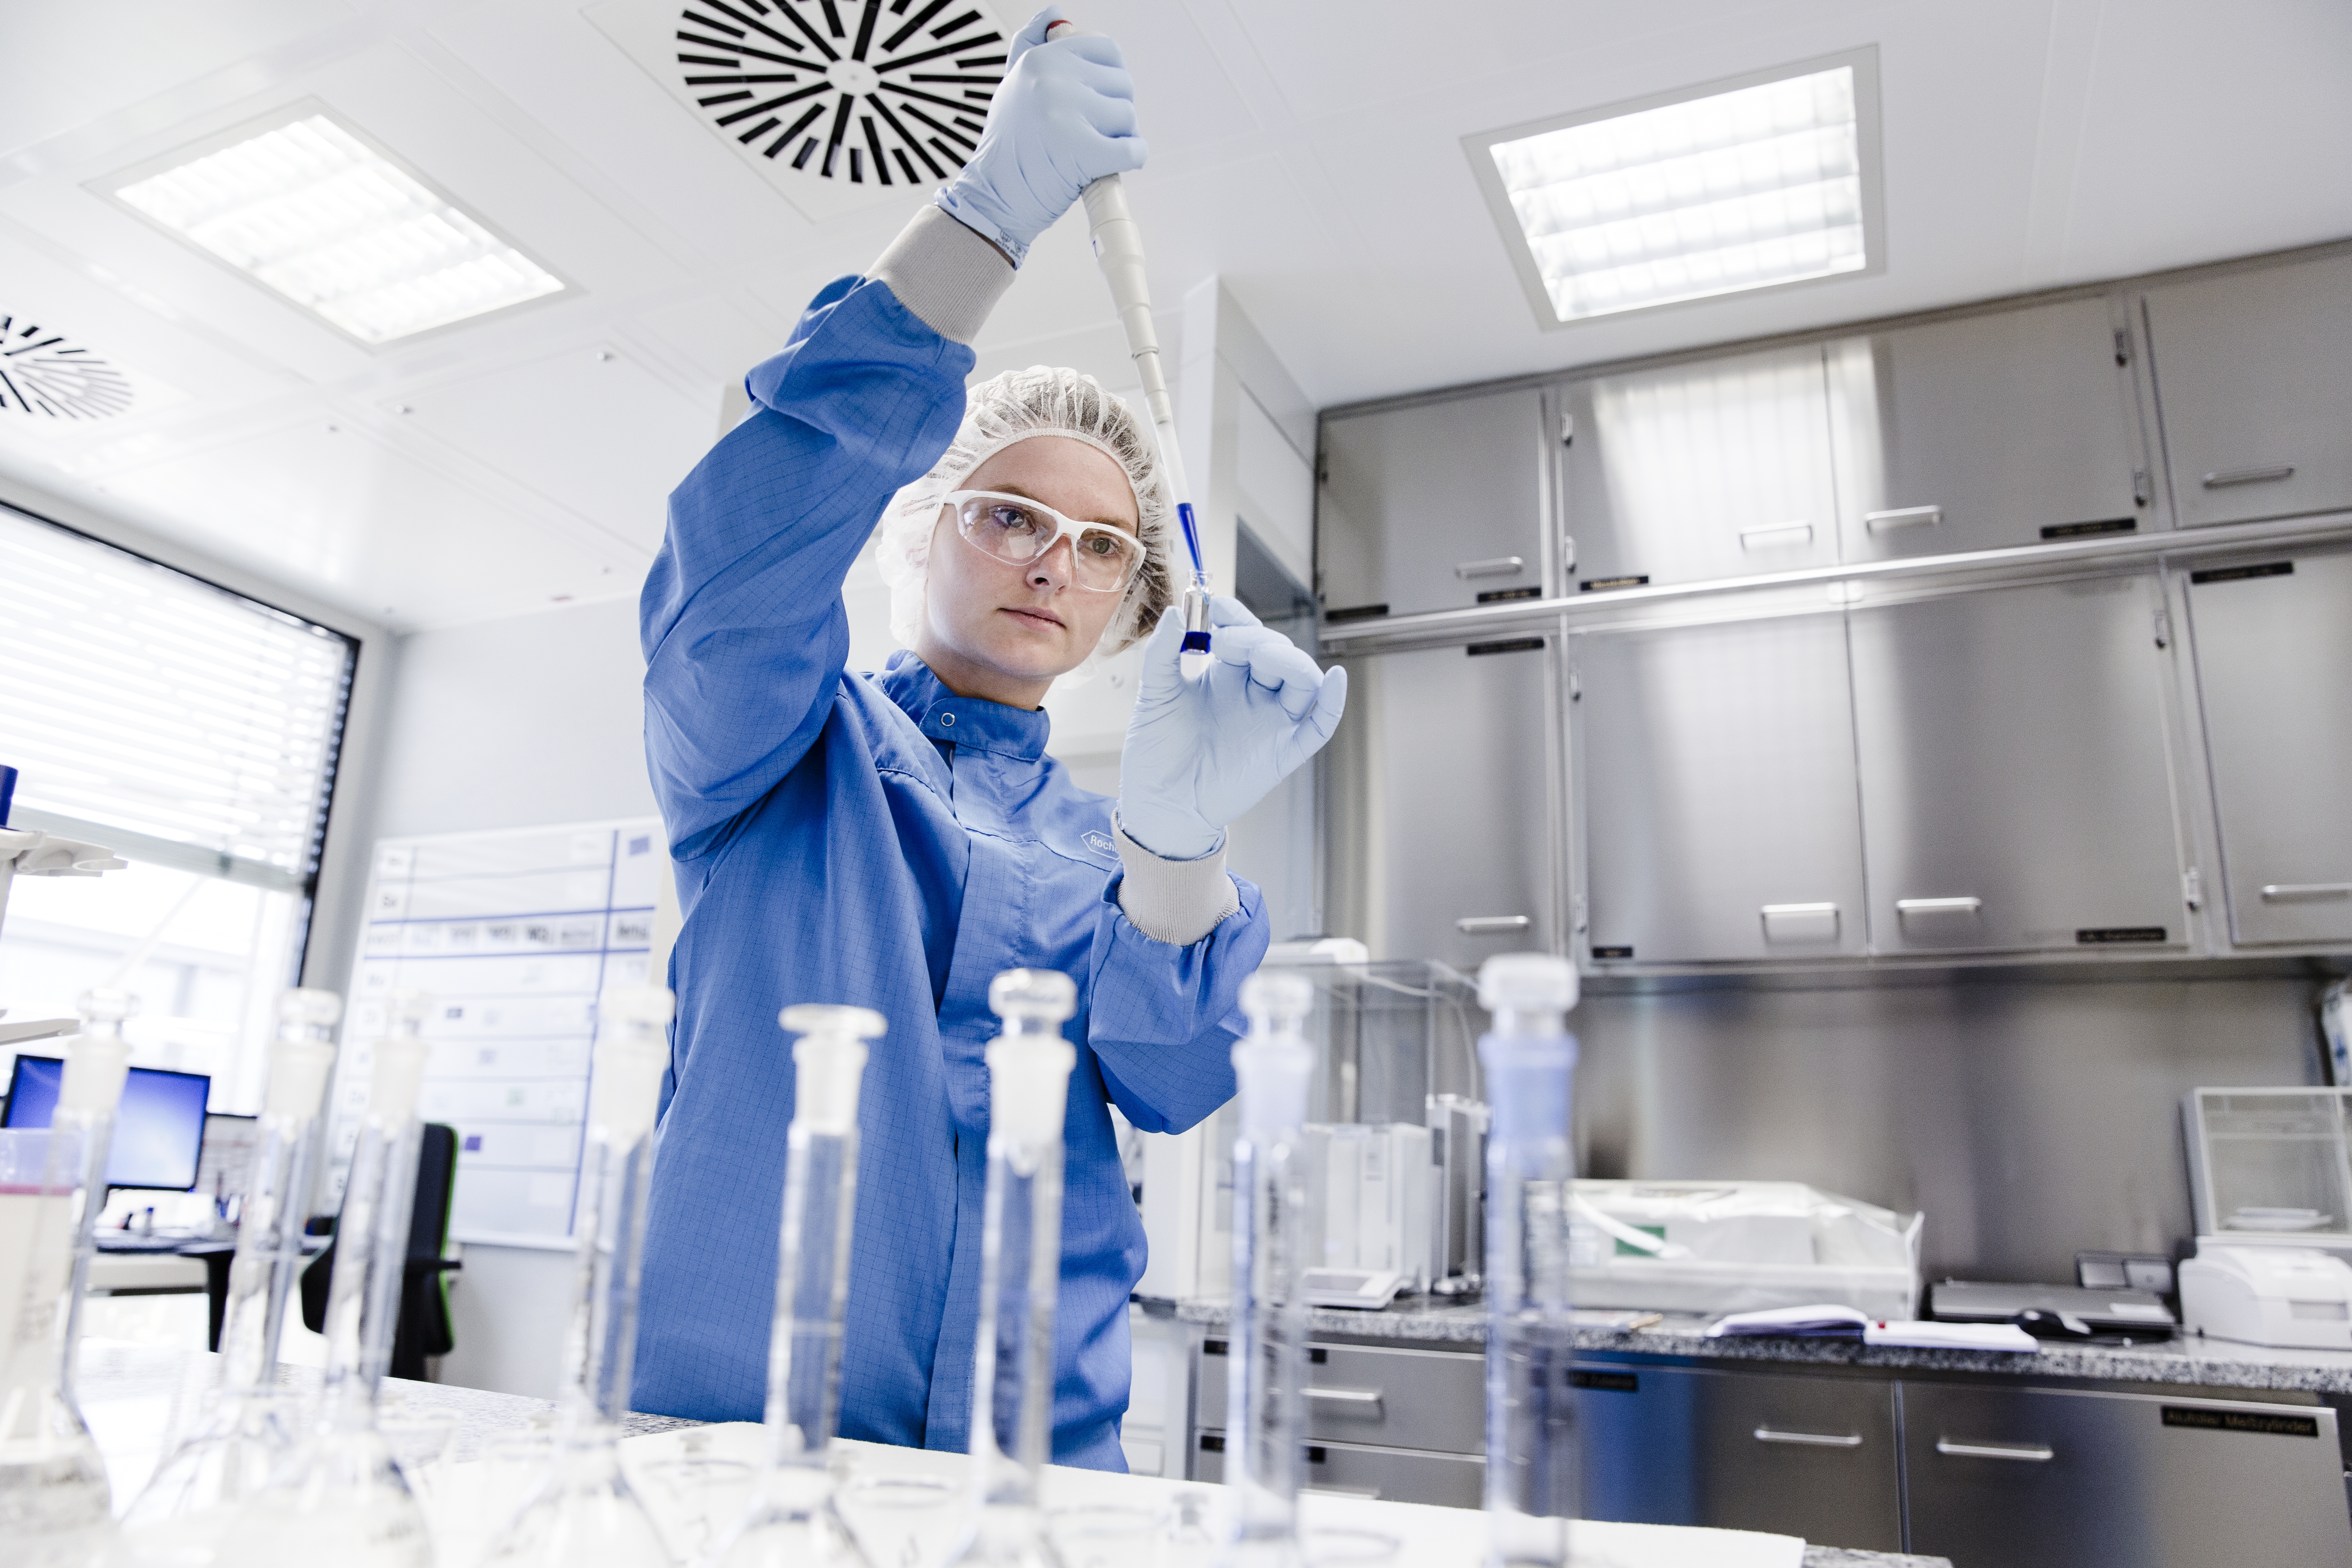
{"type": "Point", "coordinates": [877, 840]}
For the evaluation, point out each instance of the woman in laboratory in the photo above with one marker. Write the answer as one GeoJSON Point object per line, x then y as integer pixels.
{"type": "Point", "coordinates": [896, 839]}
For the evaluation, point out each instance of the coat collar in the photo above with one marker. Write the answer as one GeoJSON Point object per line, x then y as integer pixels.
{"type": "Point", "coordinates": [972, 722]}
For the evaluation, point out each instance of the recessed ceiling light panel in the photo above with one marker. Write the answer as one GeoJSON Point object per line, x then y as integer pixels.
{"type": "Point", "coordinates": [309, 207]}
{"type": "Point", "coordinates": [839, 105]}
{"type": "Point", "coordinates": [43, 371]}
{"type": "Point", "coordinates": [1765, 180]}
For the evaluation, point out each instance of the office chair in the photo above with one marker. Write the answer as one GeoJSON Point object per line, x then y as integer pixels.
{"type": "Point", "coordinates": [423, 1327]}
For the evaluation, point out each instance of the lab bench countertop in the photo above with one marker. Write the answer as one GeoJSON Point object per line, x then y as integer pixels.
{"type": "Point", "coordinates": [2189, 1361]}
{"type": "Point", "coordinates": [127, 1393]}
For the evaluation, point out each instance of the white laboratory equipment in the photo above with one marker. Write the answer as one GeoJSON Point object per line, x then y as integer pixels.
{"type": "Point", "coordinates": [2294, 1297]}
{"type": "Point", "coordinates": [1530, 1062]}
{"type": "Point", "coordinates": [55, 1503]}
{"type": "Point", "coordinates": [583, 1513]}
{"type": "Point", "coordinates": [793, 1522]}
{"type": "Point", "coordinates": [2271, 1167]}
{"type": "Point", "coordinates": [338, 1497]}
{"type": "Point", "coordinates": [246, 1422]}
{"type": "Point", "coordinates": [1266, 1367]}
{"type": "Point", "coordinates": [1712, 1247]}
{"type": "Point", "coordinates": [1020, 1272]}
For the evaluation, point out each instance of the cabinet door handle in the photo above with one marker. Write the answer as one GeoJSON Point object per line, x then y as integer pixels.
{"type": "Point", "coordinates": [1371, 1493]}
{"type": "Point", "coordinates": [2292, 892]}
{"type": "Point", "coordinates": [1810, 1439]}
{"type": "Point", "coordinates": [1500, 566]}
{"type": "Point", "coordinates": [2225, 477]}
{"type": "Point", "coordinates": [1938, 906]}
{"type": "Point", "coordinates": [1365, 1399]}
{"type": "Point", "coordinates": [1776, 536]}
{"type": "Point", "coordinates": [2023, 1453]}
{"type": "Point", "coordinates": [1903, 517]}
{"type": "Point", "coordinates": [1492, 925]}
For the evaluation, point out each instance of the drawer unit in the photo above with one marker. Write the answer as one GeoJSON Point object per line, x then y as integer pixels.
{"type": "Point", "coordinates": [1398, 1475]}
{"type": "Point", "coordinates": [2032, 1477]}
{"type": "Point", "coordinates": [1367, 1394]}
{"type": "Point", "coordinates": [1794, 1454]}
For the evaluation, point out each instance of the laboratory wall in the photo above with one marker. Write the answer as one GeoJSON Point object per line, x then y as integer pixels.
{"type": "Point", "coordinates": [513, 723]}
{"type": "Point", "coordinates": [2029, 1119]}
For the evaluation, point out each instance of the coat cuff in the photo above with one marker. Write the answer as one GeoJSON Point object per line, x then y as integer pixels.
{"type": "Point", "coordinates": [1174, 901]}
{"type": "Point", "coordinates": [947, 275]}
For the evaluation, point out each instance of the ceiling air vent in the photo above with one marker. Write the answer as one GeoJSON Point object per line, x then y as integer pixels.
{"type": "Point", "coordinates": [840, 104]}
{"type": "Point", "coordinates": [44, 372]}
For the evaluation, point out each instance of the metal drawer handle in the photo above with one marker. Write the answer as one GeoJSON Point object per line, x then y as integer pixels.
{"type": "Point", "coordinates": [2288, 893]}
{"type": "Point", "coordinates": [1775, 536]}
{"type": "Point", "coordinates": [2024, 1453]}
{"type": "Point", "coordinates": [1500, 566]}
{"type": "Point", "coordinates": [2249, 475]}
{"type": "Point", "coordinates": [1810, 1439]}
{"type": "Point", "coordinates": [1358, 1398]}
{"type": "Point", "coordinates": [1903, 517]}
{"type": "Point", "coordinates": [1938, 906]}
{"type": "Point", "coordinates": [1372, 1492]}
{"type": "Point", "coordinates": [1492, 925]}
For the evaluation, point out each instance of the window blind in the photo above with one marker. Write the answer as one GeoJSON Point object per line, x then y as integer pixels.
{"type": "Point", "coordinates": [168, 718]}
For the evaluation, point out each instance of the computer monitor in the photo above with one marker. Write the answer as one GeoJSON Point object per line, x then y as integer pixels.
{"type": "Point", "coordinates": [158, 1130]}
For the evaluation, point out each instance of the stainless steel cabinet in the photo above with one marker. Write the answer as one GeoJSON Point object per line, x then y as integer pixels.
{"type": "Point", "coordinates": [2000, 429]}
{"type": "Point", "coordinates": [1807, 1456]}
{"type": "Point", "coordinates": [2254, 373]}
{"type": "Point", "coordinates": [1407, 1424]}
{"type": "Point", "coordinates": [1435, 506]}
{"type": "Point", "coordinates": [1719, 779]}
{"type": "Point", "coordinates": [2273, 642]}
{"type": "Point", "coordinates": [1442, 800]}
{"type": "Point", "coordinates": [2015, 782]}
{"type": "Point", "coordinates": [1721, 469]}
{"type": "Point", "coordinates": [2029, 1476]}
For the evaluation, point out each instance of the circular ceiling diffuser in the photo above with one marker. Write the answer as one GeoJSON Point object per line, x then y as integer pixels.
{"type": "Point", "coordinates": [43, 371]}
{"type": "Point", "coordinates": [864, 92]}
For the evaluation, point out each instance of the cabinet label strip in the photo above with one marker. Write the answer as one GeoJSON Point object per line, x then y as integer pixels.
{"type": "Point", "coordinates": [2099, 936]}
{"type": "Point", "coordinates": [1611, 1382]}
{"type": "Point", "coordinates": [2240, 574]}
{"type": "Point", "coordinates": [2085, 529]}
{"type": "Point", "coordinates": [1508, 645]}
{"type": "Point", "coordinates": [2265, 1422]}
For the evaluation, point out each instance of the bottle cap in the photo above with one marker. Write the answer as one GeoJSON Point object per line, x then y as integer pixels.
{"type": "Point", "coordinates": [829, 1059]}
{"type": "Point", "coordinates": [309, 1008]}
{"type": "Point", "coordinates": [1527, 983]}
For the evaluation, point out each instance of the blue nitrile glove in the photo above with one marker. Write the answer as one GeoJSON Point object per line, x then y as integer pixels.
{"type": "Point", "coordinates": [1063, 118]}
{"type": "Point", "coordinates": [1200, 753]}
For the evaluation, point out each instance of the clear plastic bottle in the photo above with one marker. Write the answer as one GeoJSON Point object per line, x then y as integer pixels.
{"type": "Point", "coordinates": [246, 1423]}
{"type": "Point", "coordinates": [56, 1508]}
{"type": "Point", "coordinates": [338, 1497]}
{"type": "Point", "coordinates": [582, 1513]}
{"type": "Point", "coordinates": [1529, 1061]}
{"type": "Point", "coordinates": [1266, 1367]}
{"type": "Point", "coordinates": [1020, 1271]}
{"type": "Point", "coordinates": [793, 1522]}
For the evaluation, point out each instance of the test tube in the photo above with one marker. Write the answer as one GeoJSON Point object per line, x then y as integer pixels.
{"type": "Point", "coordinates": [54, 1496]}
{"type": "Point", "coordinates": [1267, 1370]}
{"type": "Point", "coordinates": [338, 1497]}
{"type": "Point", "coordinates": [583, 1513]}
{"type": "Point", "coordinates": [793, 1522]}
{"type": "Point", "coordinates": [1020, 1271]}
{"type": "Point", "coordinates": [1529, 1058]}
{"type": "Point", "coordinates": [246, 1423]}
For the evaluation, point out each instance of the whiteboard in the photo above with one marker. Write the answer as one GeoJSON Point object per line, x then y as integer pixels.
{"type": "Point", "coordinates": [514, 934]}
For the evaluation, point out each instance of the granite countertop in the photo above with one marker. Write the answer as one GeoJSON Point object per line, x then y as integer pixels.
{"type": "Point", "coordinates": [127, 1393]}
{"type": "Point", "coordinates": [2190, 1359]}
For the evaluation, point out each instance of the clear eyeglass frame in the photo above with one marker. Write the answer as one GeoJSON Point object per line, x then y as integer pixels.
{"type": "Point", "coordinates": [1126, 548]}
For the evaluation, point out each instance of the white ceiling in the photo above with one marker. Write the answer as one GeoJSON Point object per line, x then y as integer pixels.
{"type": "Point", "coordinates": [1306, 149]}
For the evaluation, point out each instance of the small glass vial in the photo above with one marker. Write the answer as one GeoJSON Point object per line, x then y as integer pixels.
{"type": "Point", "coordinates": [793, 1522]}
{"type": "Point", "coordinates": [1266, 1367]}
{"type": "Point", "coordinates": [54, 1496]}
{"type": "Point", "coordinates": [1529, 1061]}
{"type": "Point", "coordinates": [1020, 1271]}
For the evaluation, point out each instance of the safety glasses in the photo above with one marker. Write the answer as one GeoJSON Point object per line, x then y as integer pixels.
{"type": "Point", "coordinates": [1014, 529]}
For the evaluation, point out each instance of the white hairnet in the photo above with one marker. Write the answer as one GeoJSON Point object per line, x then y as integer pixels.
{"type": "Point", "coordinates": [1015, 406]}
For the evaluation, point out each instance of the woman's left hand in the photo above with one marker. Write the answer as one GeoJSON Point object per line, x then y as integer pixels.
{"type": "Point", "coordinates": [1200, 753]}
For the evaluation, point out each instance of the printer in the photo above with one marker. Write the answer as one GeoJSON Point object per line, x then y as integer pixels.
{"type": "Point", "coordinates": [2268, 1295]}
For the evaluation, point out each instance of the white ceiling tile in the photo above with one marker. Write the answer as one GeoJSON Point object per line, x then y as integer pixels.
{"type": "Point", "coordinates": [324, 506]}
{"type": "Point", "coordinates": [589, 429]}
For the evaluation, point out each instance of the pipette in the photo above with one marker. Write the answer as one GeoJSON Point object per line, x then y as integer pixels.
{"type": "Point", "coordinates": [1118, 247]}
